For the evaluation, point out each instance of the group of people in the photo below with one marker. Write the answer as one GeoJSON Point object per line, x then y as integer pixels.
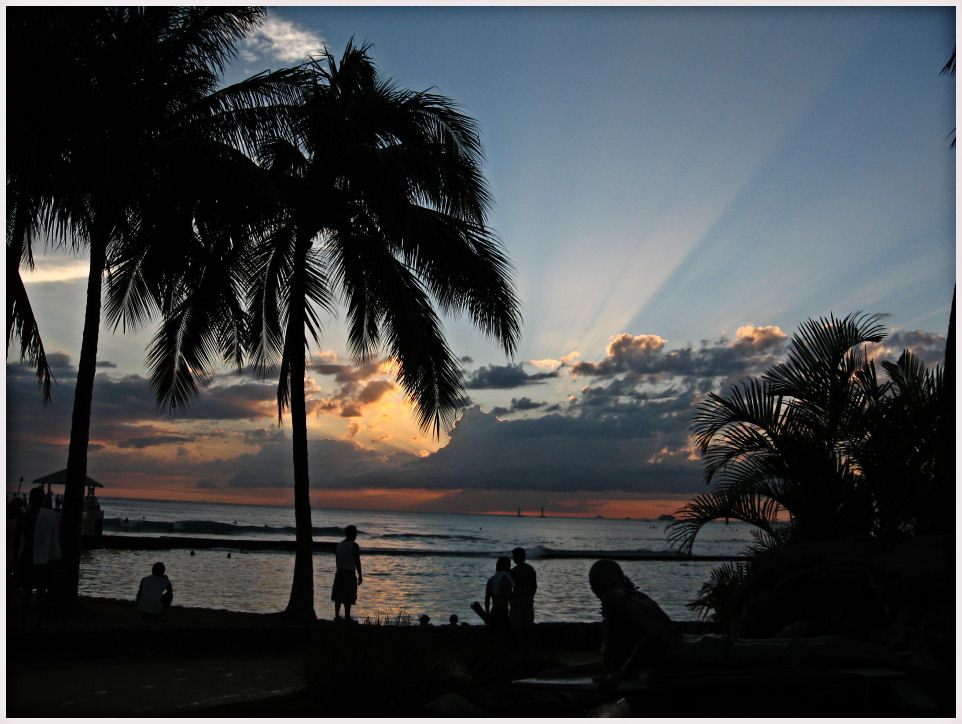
{"type": "Point", "coordinates": [36, 550]}
{"type": "Point", "coordinates": [509, 594]}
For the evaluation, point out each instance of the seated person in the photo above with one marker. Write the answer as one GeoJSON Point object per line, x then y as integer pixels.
{"type": "Point", "coordinates": [636, 630]}
{"type": "Point", "coordinates": [637, 634]}
{"type": "Point", "coordinates": [155, 593]}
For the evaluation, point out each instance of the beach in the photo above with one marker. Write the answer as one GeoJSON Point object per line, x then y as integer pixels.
{"type": "Point", "coordinates": [101, 659]}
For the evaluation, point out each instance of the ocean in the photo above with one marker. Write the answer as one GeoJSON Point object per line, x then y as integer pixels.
{"type": "Point", "coordinates": [413, 563]}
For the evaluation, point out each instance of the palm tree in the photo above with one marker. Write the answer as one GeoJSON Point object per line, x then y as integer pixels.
{"type": "Point", "coordinates": [140, 92]}
{"type": "Point", "coordinates": [820, 448]}
{"type": "Point", "coordinates": [39, 189]}
{"type": "Point", "coordinates": [820, 441]}
{"type": "Point", "coordinates": [385, 209]}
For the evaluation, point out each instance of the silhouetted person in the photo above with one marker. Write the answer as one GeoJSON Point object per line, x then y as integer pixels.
{"type": "Point", "coordinates": [424, 620]}
{"type": "Point", "coordinates": [637, 633]}
{"type": "Point", "coordinates": [347, 558]}
{"type": "Point", "coordinates": [38, 546]}
{"type": "Point", "coordinates": [497, 596]}
{"type": "Point", "coordinates": [636, 630]}
{"type": "Point", "coordinates": [525, 586]}
{"type": "Point", "coordinates": [453, 620]}
{"type": "Point", "coordinates": [155, 593]}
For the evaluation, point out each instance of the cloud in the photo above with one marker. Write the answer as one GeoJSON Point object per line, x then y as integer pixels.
{"type": "Point", "coordinates": [645, 359]}
{"type": "Point", "coordinates": [281, 40]}
{"type": "Point", "coordinates": [518, 404]}
{"type": "Point", "coordinates": [927, 346]}
{"type": "Point", "coordinates": [550, 453]}
{"type": "Point", "coordinates": [55, 269]}
{"type": "Point", "coordinates": [206, 484]}
{"type": "Point", "coordinates": [505, 377]}
{"type": "Point", "coordinates": [146, 441]}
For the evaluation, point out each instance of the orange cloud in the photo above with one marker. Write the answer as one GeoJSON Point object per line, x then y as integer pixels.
{"type": "Point", "coordinates": [644, 345]}
{"type": "Point", "coordinates": [758, 337]}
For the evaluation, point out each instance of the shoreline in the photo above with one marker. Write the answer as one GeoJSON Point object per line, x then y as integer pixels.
{"type": "Point", "coordinates": [171, 542]}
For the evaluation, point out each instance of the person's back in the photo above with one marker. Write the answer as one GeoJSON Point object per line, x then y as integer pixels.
{"type": "Point", "coordinates": [155, 593]}
{"type": "Point", "coordinates": [525, 586]}
{"type": "Point", "coordinates": [497, 595]}
{"type": "Point", "coordinates": [499, 589]}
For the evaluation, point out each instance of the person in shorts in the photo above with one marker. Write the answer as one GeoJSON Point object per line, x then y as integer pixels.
{"type": "Point", "coordinates": [347, 557]}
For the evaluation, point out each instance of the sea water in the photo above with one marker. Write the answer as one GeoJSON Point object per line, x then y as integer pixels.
{"type": "Point", "coordinates": [413, 563]}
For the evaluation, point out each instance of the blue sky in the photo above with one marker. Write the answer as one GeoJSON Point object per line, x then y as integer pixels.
{"type": "Point", "coordinates": [689, 180]}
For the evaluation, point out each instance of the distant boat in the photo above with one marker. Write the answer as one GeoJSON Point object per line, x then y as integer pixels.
{"type": "Point", "coordinates": [667, 517]}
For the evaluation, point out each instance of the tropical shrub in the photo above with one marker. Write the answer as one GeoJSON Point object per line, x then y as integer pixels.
{"type": "Point", "coordinates": [819, 447]}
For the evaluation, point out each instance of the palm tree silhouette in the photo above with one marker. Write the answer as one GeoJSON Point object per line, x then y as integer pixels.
{"type": "Point", "coordinates": [385, 210]}
{"type": "Point", "coordinates": [821, 440]}
{"type": "Point", "coordinates": [123, 104]}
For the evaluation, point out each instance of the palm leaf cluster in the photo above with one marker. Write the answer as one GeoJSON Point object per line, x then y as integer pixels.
{"type": "Point", "coordinates": [238, 214]}
{"type": "Point", "coordinates": [819, 447]}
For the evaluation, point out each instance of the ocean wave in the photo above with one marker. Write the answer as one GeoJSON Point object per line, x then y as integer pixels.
{"type": "Point", "coordinates": [209, 527]}
{"type": "Point", "coordinates": [431, 536]}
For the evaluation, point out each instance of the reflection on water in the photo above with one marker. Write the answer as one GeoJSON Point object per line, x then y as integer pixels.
{"type": "Point", "coordinates": [423, 583]}
{"type": "Point", "coordinates": [260, 582]}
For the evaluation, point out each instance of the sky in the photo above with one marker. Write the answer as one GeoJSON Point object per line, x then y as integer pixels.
{"type": "Point", "coordinates": [678, 189]}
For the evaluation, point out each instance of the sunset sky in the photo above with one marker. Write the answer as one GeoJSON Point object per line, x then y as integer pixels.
{"type": "Point", "coordinates": [678, 188]}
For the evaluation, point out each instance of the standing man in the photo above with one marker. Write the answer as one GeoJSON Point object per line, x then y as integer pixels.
{"type": "Point", "coordinates": [347, 557]}
{"type": "Point", "coordinates": [525, 585]}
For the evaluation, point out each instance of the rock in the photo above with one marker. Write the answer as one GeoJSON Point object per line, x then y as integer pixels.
{"type": "Point", "coordinates": [452, 704]}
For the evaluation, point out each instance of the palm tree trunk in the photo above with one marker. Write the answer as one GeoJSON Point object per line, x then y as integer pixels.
{"type": "Point", "coordinates": [71, 523]}
{"type": "Point", "coordinates": [301, 603]}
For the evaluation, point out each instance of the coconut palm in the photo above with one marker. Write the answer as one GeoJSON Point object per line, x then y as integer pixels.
{"type": "Point", "coordinates": [40, 191]}
{"type": "Point", "coordinates": [131, 110]}
{"type": "Point", "coordinates": [819, 447]}
{"type": "Point", "coordinates": [386, 212]}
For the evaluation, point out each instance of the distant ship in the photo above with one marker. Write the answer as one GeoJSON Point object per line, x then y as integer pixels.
{"type": "Point", "coordinates": [667, 517]}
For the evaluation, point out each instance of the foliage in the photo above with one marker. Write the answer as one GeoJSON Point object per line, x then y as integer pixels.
{"type": "Point", "coordinates": [820, 447]}
{"type": "Point", "coordinates": [124, 146]}
{"type": "Point", "coordinates": [716, 593]}
{"type": "Point", "coordinates": [398, 618]}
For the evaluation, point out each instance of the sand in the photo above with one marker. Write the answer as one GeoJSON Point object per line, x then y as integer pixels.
{"type": "Point", "coordinates": [101, 659]}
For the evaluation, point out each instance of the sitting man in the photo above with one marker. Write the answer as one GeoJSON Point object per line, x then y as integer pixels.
{"type": "Point", "coordinates": [636, 630]}
{"type": "Point", "coordinates": [155, 593]}
{"type": "Point", "coordinates": [638, 634]}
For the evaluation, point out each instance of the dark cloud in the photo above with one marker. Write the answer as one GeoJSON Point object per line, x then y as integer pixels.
{"type": "Point", "coordinates": [333, 463]}
{"type": "Point", "coordinates": [505, 377]}
{"type": "Point", "coordinates": [549, 453]}
{"type": "Point", "coordinates": [518, 404]}
{"type": "Point", "coordinates": [60, 362]}
{"type": "Point", "coordinates": [644, 358]}
{"type": "Point", "coordinates": [207, 484]}
{"type": "Point", "coordinates": [928, 347]}
{"type": "Point", "coordinates": [140, 443]}
{"type": "Point", "coordinates": [105, 365]}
